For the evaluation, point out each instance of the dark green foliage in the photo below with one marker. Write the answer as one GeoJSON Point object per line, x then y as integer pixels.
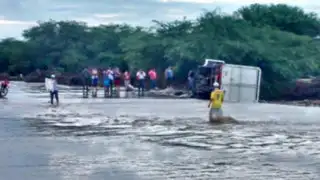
{"type": "Point", "coordinates": [277, 38]}
{"type": "Point", "coordinates": [283, 17]}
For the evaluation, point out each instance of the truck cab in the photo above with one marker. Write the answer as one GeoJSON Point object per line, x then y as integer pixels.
{"type": "Point", "coordinates": [206, 75]}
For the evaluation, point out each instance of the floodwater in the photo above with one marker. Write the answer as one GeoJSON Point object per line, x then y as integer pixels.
{"type": "Point", "coordinates": [151, 139]}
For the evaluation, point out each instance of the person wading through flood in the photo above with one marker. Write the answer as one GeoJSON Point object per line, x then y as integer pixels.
{"type": "Point", "coordinates": [141, 75]}
{"type": "Point", "coordinates": [215, 103]}
{"type": "Point", "coordinates": [54, 90]}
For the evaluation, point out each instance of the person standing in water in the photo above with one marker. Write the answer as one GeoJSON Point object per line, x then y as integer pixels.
{"type": "Point", "coordinates": [141, 75]}
{"type": "Point", "coordinates": [54, 91]}
{"type": "Point", "coordinates": [215, 103]}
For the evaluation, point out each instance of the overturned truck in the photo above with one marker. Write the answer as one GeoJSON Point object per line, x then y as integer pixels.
{"type": "Point", "coordinates": [240, 83]}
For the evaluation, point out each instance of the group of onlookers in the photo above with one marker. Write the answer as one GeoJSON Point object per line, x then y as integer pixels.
{"type": "Point", "coordinates": [113, 78]}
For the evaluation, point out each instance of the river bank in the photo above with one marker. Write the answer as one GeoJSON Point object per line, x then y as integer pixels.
{"type": "Point", "coordinates": [178, 92]}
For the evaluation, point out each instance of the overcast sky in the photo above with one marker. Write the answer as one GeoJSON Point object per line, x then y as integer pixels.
{"type": "Point", "coordinates": [17, 15]}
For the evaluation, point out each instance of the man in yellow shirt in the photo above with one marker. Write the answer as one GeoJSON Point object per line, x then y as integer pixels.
{"type": "Point", "coordinates": [215, 103]}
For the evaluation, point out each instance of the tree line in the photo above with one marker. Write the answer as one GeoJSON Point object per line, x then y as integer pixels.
{"type": "Point", "coordinates": [278, 38]}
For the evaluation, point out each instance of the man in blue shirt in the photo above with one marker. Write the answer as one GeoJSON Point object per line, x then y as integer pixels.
{"type": "Point", "coordinates": [169, 76]}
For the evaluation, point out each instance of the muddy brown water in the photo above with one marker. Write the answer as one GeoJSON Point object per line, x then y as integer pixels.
{"type": "Point", "coordinates": [142, 139]}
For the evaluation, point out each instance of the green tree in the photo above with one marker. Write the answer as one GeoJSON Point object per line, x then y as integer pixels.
{"type": "Point", "coordinates": [14, 57]}
{"type": "Point", "coordinates": [284, 17]}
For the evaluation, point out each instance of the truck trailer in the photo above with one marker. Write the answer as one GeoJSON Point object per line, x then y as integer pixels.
{"type": "Point", "coordinates": [240, 83]}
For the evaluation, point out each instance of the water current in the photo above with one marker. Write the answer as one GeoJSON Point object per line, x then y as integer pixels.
{"type": "Point", "coordinates": [151, 139]}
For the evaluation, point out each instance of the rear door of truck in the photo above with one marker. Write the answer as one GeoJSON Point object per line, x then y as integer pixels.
{"type": "Point", "coordinates": [241, 83]}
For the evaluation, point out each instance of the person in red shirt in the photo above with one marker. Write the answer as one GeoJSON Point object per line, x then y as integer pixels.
{"type": "Point", "coordinates": [153, 78]}
{"type": "Point", "coordinates": [126, 77]}
{"type": "Point", "coordinates": [117, 77]}
{"type": "Point", "coordinates": [4, 84]}
{"type": "Point", "coordinates": [117, 80]}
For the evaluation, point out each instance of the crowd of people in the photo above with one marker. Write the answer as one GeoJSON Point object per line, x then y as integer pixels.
{"type": "Point", "coordinates": [112, 79]}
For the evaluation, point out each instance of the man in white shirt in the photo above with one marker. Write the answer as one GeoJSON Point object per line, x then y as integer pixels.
{"type": "Point", "coordinates": [141, 76]}
{"type": "Point", "coordinates": [54, 93]}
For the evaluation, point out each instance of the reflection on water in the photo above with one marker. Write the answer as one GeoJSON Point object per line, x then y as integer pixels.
{"type": "Point", "coordinates": [153, 139]}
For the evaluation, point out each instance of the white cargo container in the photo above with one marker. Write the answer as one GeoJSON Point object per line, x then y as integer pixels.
{"type": "Point", "coordinates": [241, 83]}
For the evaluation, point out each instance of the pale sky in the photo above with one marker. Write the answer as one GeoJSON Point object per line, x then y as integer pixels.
{"type": "Point", "coordinates": [17, 15]}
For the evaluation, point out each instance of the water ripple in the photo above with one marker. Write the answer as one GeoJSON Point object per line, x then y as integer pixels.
{"type": "Point", "coordinates": [162, 139]}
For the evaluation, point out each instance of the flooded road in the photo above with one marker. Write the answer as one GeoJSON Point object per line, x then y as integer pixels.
{"type": "Point", "coordinates": [151, 139]}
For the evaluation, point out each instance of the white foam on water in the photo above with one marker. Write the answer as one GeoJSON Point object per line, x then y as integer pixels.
{"type": "Point", "coordinates": [186, 141]}
{"type": "Point", "coordinates": [279, 136]}
{"type": "Point", "coordinates": [79, 122]}
{"type": "Point", "coordinates": [157, 130]}
{"type": "Point", "coordinates": [117, 126]}
{"type": "Point", "coordinates": [237, 145]}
